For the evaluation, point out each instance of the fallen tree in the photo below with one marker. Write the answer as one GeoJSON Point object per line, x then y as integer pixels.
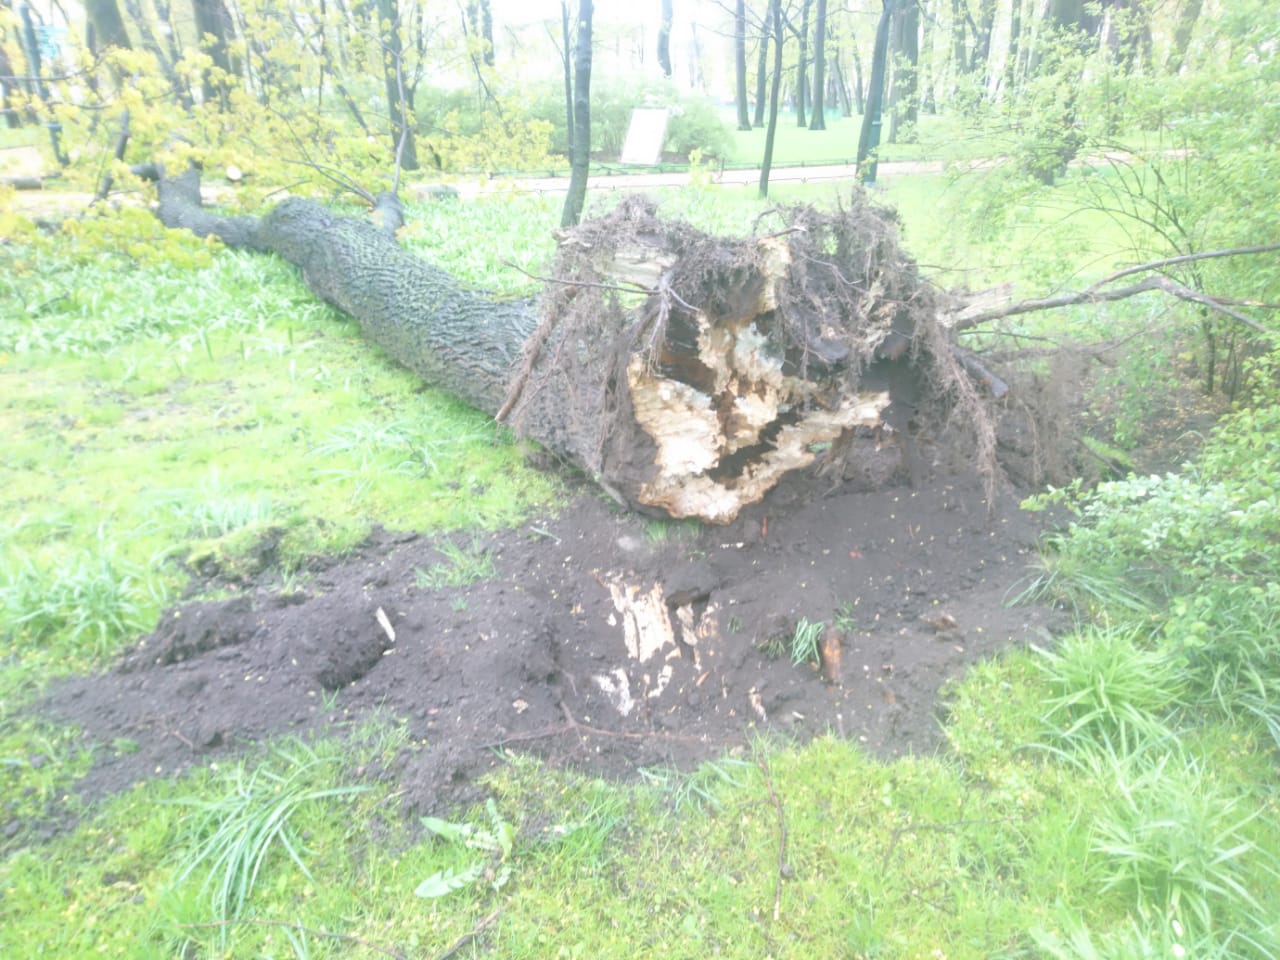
{"type": "Point", "coordinates": [685, 373]}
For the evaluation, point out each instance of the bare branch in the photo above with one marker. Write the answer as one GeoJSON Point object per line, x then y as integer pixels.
{"type": "Point", "coordinates": [1186, 258]}
{"type": "Point", "coordinates": [964, 319]}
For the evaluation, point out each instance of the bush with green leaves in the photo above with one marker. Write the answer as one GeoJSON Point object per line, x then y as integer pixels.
{"type": "Point", "coordinates": [695, 122]}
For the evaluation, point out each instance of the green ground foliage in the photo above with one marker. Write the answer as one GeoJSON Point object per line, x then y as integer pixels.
{"type": "Point", "coordinates": [1111, 796]}
{"type": "Point", "coordinates": [167, 407]}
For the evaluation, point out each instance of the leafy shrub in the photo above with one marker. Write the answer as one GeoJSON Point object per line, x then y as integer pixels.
{"type": "Point", "coordinates": [695, 122]}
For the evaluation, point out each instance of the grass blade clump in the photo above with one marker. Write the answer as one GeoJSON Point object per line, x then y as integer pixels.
{"type": "Point", "coordinates": [1105, 687]}
{"type": "Point", "coordinates": [232, 837]}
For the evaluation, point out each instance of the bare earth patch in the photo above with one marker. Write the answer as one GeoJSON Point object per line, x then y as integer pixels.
{"type": "Point", "coordinates": [604, 642]}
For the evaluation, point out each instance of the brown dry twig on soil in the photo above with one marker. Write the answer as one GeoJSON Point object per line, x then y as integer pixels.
{"type": "Point", "coordinates": [471, 934]}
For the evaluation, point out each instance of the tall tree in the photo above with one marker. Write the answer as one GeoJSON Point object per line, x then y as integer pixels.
{"type": "Point", "coordinates": [105, 26]}
{"type": "Point", "coordinates": [869, 136]}
{"type": "Point", "coordinates": [213, 24]}
{"type": "Point", "coordinates": [859, 89]}
{"type": "Point", "coordinates": [1011, 72]}
{"type": "Point", "coordinates": [762, 66]}
{"type": "Point", "coordinates": [841, 84]}
{"type": "Point", "coordinates": [905, 33]}
{"type": "Point", "coordinates": [802, 64]}
{"type": "Point", "coordinates": [480, 25]}
{"type": "Point", "coordinates": [664, 38]}
{"type": "Point", "coordinates": [766, 165]}
{"type": "Point", "coordinates": [740, 62]}
{"type": "Point", "coordinates": [1188, 14]}
{"type": "Point", "coordinates": [580, 161]}
{"type": "Point", "coordinates": [567, 59]}
{"type": "Point", "coordinates": [399, 90]}
{"type": "Point", "coordinates": [819, 119]}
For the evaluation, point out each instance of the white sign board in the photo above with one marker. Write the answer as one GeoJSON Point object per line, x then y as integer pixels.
{"type": "Point", "coordinates": [645, 135]}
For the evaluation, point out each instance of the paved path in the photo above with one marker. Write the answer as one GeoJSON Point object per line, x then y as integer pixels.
{"type": "Point", "coordinates": [26, 161]}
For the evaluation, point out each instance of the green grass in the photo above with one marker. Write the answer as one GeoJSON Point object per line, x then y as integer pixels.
{"type": "Point", "coordinates": [229, 407]}
{"type": "Point", "coordinates": [1112, 796]}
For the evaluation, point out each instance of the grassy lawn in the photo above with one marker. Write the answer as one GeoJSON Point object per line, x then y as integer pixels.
{"type": "Point", "coordinates": [163, 404]}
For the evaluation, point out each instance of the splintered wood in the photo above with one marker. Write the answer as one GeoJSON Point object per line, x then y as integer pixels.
{"type": "Point", "coordinates": [727, 415]}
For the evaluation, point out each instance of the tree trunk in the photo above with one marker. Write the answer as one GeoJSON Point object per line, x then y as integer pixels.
{"type": "Point", "coordinates": [11, 118]}
{"type": "Point", "coordinates": [581, 159]}
{"type": "Point", "coordinates": [819, 119]}
{"type": "Point", "coordinates": [664, 38]}
{"type": "Point", "coordinates": [567, 58]}
{"type": "Point", "coordinates": [762, 67]}
{"type": "Point", "coordinates": [213, 24]}
{"type": "Point", "coordinates": [802, 66]}
{"type": "Point", "coordinates": [906, 50]}
{"type": "Point", "coordinates": [106, 26]}
{"type": "Point", "coordinates": [869, 136]}
{"type": "Point", "coordinates": [766, 164]}
{"type": "Point", "coordinates": [1187, 17]}
{"type": "Point", "coordinates": [859, 94]}
{"type": "Point", "coordinates": [685, 373]}
{"type": "Point", "coordinates": [842, 85]}
{"type": "Point", "coordinates": [1011, 73]}
{"type": "Point", "coordinates": [740, 63]}
{"type": "Point", "coordinates": [399, 106]}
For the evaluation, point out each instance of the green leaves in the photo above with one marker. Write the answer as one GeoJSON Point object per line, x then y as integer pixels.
{"type": "Point", "coordinates": [498, 840]}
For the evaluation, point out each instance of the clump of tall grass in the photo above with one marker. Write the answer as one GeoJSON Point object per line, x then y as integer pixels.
{"type": "Point", "coordinates": [1107, 686]}
{"type": "Point", "coordinates": [232, 837]}
{"type": "Point", "coordinates": [82, 604]}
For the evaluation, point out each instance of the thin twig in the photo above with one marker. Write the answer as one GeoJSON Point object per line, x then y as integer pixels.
{"type": "Point", "coordinates": [254, 922]}
{"type": "Point", "coordinates": [1095, 293]}
{"type": "Point", "coordinates": [471, 934]}
{"type": "Point", "coordinates": [1092, 295]}
{"type": "Point", "coordinates": [783, 869]}
{"type": "Point", "coordinates": [1186, 258]}
{"type": "Point", "coordinates": [580, 728]}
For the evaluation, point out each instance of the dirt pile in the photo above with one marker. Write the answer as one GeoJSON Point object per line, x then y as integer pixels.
{"type": "Point", "coordinates": [604, 641]}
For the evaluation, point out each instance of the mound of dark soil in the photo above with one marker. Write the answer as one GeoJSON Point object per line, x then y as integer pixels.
{"type": "Point", "coordinates": [604, 641]}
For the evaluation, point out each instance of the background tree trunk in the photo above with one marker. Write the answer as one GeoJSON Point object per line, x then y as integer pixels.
{"type": "Point", "coordinates": [106, 26]}
{"type": "Point", "coordinates": [802, 66]}
{"type": "Point", "coordinates": [1188, 14]}
{"type": "Point", "coordinates": [581, 159]}
{"type": "Point", "coordinates": [740, 63]}
{"type": "Point", "coordinates": [664, 38]}
{"type": "Point", "coordinates": [869, 136]}
{"type": "Point", "coordinates": [819, 119]}
{"type": "Point", "coordinates": [399, 100]}
{"type": "Point", "coordinates": [766, 164]}
{"type": "Point", "coordinates": [213, 25]}
{"type": "Point", "coordinates": [762, 66]}
{"type": "Point", "coordinates": [906, 49]}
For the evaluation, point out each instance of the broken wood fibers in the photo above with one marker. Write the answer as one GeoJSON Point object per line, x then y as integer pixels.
{"type": "Point", "coordinates": [727, 363]}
